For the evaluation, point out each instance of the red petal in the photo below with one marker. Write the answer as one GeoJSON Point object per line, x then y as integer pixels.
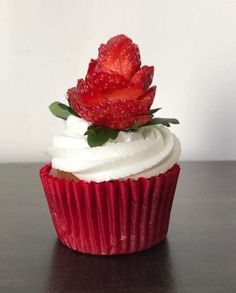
{"type": "Point", "coordinates": [91, 68]}
{"type": "Point", "coordinates": [83, 93]}
{"type": "Point", "coordinates": [143, 77]}
{"type": "Point", "coordinates": [145, 101]}
{"type": "Point", "coordinates": [121, 55]}
{"type": "Point", "coordinates": [128, 93]}
{"type": "Point", "coordinates": [107, 81]}
{"type": "Point", "coordinates": [88, 93]}
{"type": "Point", "coordinates": [72, 96]}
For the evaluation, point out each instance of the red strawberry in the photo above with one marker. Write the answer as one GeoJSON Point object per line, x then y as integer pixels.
{"type": "Point", "coordinates": [143, 77]}
{"type": "Point", "coordinates": [115, 91]}
{"type": "Point", "coordinates": [121, 55]}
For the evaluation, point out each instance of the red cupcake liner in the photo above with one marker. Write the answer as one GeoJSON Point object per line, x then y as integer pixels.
{"type": "Point", "coordinates": [114, 217]}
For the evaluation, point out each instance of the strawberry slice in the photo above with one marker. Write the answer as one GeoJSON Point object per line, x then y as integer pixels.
{"type": "Point", "coordinates": [128, 93]}
{"type": "Point", "coordinates": [88, 93]}
{"type": "Point", "coordinates": [72, 96]}
{"type": "Point", "coordinates": [145, 101]}
{"type": "Point", "coordinates": [83, 93]}
{"type": "Point", "coordinates": [121, 55]}
{"type": "Point", "coordinates": [143, 77]}
{"type": "Point", "coordinates": [107, 81]}
{"type": "Point", "coordinates": [91, 69]}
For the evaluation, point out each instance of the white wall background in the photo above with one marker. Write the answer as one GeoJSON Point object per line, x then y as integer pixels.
{"type": "Point", "coordinates": [47, 44]}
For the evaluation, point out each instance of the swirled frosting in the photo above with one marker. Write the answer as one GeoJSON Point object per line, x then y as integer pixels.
{"type": "Point", "coordinates": [147, 152]}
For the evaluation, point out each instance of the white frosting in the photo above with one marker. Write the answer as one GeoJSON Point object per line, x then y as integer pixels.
{"type": "Point", "coordinates": [149, 151]}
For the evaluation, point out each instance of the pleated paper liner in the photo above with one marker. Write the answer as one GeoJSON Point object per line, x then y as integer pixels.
{"type": "Point", "coordinates": [114, 217]}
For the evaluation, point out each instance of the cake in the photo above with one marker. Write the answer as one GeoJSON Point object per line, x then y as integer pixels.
{"type": "Point", "coordinates": [114, 169]}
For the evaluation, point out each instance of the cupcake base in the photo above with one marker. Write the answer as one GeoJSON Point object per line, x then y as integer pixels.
{"type": "Point", "coordinates": [114, 217]}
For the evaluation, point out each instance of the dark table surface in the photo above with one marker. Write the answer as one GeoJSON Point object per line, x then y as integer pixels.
{"type": "Point", "coordinates": [199, 254]}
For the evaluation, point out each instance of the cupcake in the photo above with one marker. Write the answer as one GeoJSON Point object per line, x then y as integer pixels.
{"type": "Point", "coordinates": [114, 169]}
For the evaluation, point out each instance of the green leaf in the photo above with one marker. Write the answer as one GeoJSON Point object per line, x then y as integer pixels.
{"type": "Point", "coordinates": [61, 110]}
{"type": "Point", "coordinates": [98, 135]}
{"type": "Point", "coordinates": [164, 121]}
{"type": "Point", "coordinates": [152, 111]}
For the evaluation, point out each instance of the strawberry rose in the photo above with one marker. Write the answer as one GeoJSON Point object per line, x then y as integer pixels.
{"type": "Point", "coordinates": [116, 91]}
